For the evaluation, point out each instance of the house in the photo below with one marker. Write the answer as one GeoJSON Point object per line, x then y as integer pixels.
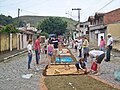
{"type": "Point", "coordinates": [22, 38]}
{"type": "Point", "coordinates": [25, 34]}
{"type": "Point", "coordinates": [103, 23]}
{"type": "Point", "coordinates": [81, 29]}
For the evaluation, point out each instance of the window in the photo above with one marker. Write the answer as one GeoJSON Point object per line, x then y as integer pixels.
{"type": "Point", "coordinates": [81, 26]}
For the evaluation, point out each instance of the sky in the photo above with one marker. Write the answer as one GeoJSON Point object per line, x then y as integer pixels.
{"type": "Point", "coordinates": [62, 8]}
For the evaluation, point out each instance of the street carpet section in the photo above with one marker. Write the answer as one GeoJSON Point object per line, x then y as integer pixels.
{"type": "Point", "coordinates": [62, 69]}
{"type": "Point", "coordinates": [75, 82]}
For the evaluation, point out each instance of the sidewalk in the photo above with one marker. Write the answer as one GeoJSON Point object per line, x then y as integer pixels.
{"type": "Point", "coordinates": [10, 54]}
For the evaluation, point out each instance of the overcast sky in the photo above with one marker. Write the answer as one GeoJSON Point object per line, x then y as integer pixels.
{"type": "Point", "coordinates": [57, 7]}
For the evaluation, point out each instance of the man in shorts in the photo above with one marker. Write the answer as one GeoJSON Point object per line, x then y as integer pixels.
{"type": "Point", "coordinates": [99, 55]}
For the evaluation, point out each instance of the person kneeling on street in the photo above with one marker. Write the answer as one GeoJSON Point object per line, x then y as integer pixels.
{"type": "Point", "coordinates": [81, 65]}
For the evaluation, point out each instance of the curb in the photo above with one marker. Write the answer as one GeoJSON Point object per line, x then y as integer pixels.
{"type": "Point", "coordinates": [14, 55]}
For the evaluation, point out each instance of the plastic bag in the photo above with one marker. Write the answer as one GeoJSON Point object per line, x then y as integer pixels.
{"type": "Point", "coordinates": [94, 66]}
{"type": "Point", "coordinates": [117, 75]}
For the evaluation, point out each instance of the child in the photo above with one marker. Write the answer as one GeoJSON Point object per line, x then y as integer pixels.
{"type": "Point", "coordinates": [81, 65]}
{"type": "Point", "coordinates": [29, 48]}
{"type": "Point", "coordinates": [50, 49]}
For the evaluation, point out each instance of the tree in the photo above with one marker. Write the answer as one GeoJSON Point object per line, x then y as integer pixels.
{"type": "Point", "coordinates": [22, 23]}
{"type": "Point", "coordinates": [4, 20]}
{"type": "Point", "coordinates": [53, 25]}
{"type": "Point", "coordinates": [45, 34]}
{"type": "Point", "coordinates": [9, 29]}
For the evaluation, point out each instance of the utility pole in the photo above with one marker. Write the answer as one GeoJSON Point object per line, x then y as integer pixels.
{"type": "Point", "coordinates": [78, 12]}
{"type": "Point", "coordinates": [78, 9]}
{"type": "Point", "coordinates": [18, 16]}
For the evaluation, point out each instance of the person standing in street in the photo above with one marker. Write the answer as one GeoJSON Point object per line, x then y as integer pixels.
{"type": "Point", "coordinates": [37, 49]}
{"type": "Point", "coordinates": [50, 49]}
{"type": "Point", "coordinates": [76, 45]}
{"type": "Point", "coordinates": [109, 47]}
{"type": "Point", "coordinates": [29, 48]}
{"type": "Point", "coordinates": [55, 43]}
{"type": "Point", "coordinates": [80, 46]}
{"type": "Point", "coordinates": [102, 44]}
{"type": "Point", "coordinates": [85, 47]}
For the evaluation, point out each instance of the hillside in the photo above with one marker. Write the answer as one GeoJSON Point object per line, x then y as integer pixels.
{"type": "Point", "coordinates": [34, 20]}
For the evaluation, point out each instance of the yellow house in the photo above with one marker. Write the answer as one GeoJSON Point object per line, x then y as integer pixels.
{"type": "Point", "coordinates": [114, 30]}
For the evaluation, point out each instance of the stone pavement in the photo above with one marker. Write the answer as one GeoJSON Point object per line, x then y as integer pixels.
{"type": "Point", "coordinates": [107, 68]}
{"type": "Point", "coordinates": [12, 69]}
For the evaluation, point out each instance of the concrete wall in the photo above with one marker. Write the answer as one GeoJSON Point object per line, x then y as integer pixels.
{"type": "Point", "coordinates": [93, 39]}
{"type": "Point", "coordinates": [24, 41]}
{"type": "Point", "coordinates": [5, 42]}
{"type": "Point", "coordinates": [114, 30]}
{"type": "Point", "coordinates": [14, 41]}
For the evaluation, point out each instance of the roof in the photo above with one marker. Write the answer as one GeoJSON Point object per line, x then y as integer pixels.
{"type": "Point", "coordinates": [23, 30]}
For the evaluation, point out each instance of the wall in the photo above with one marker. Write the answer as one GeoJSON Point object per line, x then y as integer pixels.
{"type": "Point", "coordinates": [114, 30]}
{"type": "Point", "coordinates": [5, 42]}
{"type": "Point", "coordinates": [111, 17]}
{"type": "Point", "coordinates": [14, 41]}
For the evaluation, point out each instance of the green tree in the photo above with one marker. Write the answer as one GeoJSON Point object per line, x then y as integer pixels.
{"type": "Point", "coordinates": [53, 25]}
{"type": "Point", "coordinates": [45, 34]}
{"type": "Point", "coordinates": [4, 20]}
{"type": "Point", "coordinates": [9, 29]}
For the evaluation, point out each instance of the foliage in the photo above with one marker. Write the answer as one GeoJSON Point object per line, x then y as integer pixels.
{"type": "Point", "coordinates": [35, 20]}
{"type": "Point", "coordinates": [22, 23]}
{"type": "Point", "coordinates": [4, 20]}
{"type": "Point", "coordinates": [9, 29]}
{"type": "Point", "coordinates": [44, 34]}
{"type": "Point", "coordinates": [53, 25]}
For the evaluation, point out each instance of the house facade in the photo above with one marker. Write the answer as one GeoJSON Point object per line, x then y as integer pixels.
{"type": "Point", "coordinates": [103, 23]}
{"type": "Point", "coordinates": [81, 29]}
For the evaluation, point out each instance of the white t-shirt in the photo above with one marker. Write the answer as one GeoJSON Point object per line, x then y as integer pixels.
{"type": "Point", "coordinates": [79, 44]}
{"type": "Point", "coordinates": [109, 41]}
{"type": "Point", "coordinates": [95, 53]}
{"type": "Point", "coordinates": [29, 48]}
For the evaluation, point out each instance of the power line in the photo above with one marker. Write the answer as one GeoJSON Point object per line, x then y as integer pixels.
{"type": "Point", "coordinates": [106, 5]}
{"type": "Point", "coordinates": [28, 11]}
{"type": "Point", "coordinates": [102, 7]}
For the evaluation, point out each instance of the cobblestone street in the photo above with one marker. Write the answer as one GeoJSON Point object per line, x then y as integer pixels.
{"type": "Point", "coordinates": [11, 72]}
{"type": "Point", "coordinates": [108, 68]}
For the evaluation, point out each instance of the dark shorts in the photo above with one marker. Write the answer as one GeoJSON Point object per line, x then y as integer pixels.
{"type": "Point", "coordinates": [50, 53]}
{"type": "Point", "coordinates": [100, 58]}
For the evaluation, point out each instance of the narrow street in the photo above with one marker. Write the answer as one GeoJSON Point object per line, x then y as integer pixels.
{"type": "Point", "coordinates": [12, 69]}
{"type": "Point", "coordinates": [11, 72]}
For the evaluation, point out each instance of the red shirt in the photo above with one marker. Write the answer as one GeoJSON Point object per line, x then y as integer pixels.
{"type": "Point", "coordinates": [37, 44]}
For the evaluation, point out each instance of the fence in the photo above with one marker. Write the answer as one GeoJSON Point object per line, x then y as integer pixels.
{"type": "Point", "coordinates": [5, 41]}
